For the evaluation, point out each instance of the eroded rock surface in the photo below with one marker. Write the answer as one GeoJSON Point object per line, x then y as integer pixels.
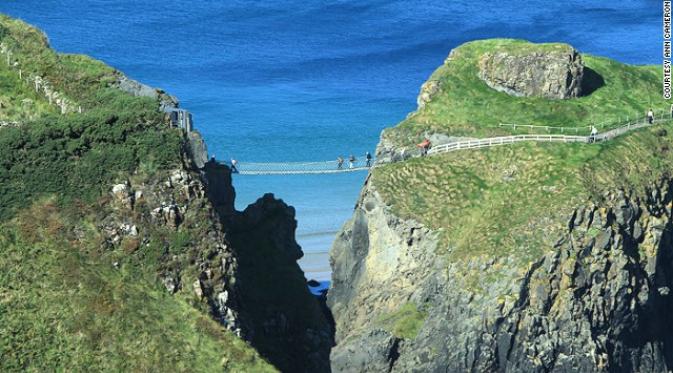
{"type": "Point", "coordinates": [555, 74]}
{"type": "Point", "coordinates": [598, 301]}
{"type": "Point", "coordinates": [240, 267]}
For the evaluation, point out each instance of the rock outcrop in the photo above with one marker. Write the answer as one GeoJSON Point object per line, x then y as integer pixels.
{"type": "Point", "coordinates": [598, 301]}
{"type": "Point", "coordinates": [239, 266]}
{"type": "Point", "coordinates": [553, 74]}
{"type": "Point", "coordinates": [135, 88]}
{"type": "Point", "coordinates": [286, 323]}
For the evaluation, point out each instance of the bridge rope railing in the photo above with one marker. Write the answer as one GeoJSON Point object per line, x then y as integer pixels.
{"type": "Point", "coordinates": [289, 168]}
{"type": "Point", "coordinates": [360, 164]}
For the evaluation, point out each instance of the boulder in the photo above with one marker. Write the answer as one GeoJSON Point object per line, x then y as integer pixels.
{"type": "Point", "coordinates": [554, 74]}
{"type": "Point", "coordinates": [123, 195]}
{"type": "Point", "coordinates": [428, 90]}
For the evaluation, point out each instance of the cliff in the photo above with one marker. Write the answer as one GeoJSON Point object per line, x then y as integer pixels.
{"type": "Point", "coordinates": [526, 257]}
{"type": "Point", "coordinates": [121, 248]}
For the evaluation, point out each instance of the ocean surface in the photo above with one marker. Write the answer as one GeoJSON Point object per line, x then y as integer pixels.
{"type": "Point", "coordinates": [312, 80]}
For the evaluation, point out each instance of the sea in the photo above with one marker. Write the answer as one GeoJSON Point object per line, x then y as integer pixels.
{"type": "Point", "coordinates": [310, 80]}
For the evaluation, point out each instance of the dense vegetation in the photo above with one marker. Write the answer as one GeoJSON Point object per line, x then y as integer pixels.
{"type": "Point", "coordinates": [466, 106]}
{"type": "Point", "coordinates": [70, 300]}
{"type": "Point", "coordinates": [73, 155]}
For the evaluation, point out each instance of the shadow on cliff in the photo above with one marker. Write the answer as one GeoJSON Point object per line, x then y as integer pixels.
{"type": "Point", "coordinates": [654, 326]}
{"type": "Point", "coordinates": [280, 317]}
{"type": "Point", "coordinates": [591, 81]}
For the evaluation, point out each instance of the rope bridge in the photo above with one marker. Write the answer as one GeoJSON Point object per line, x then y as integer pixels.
{"type": "Point", "coordinates": [332, 167]}
{"type": "Point", "coordinates": [301, 168]}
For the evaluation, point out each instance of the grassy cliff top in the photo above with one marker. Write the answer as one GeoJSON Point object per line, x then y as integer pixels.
{"type": "Point", "coordinates": [513, 202]}
{"type": "Point", "coordinates": [63, 304]}
{"type": "Point", "coordinates": [464, 105]}
{"type": "Point", "coordinates": [77, 78]}
{"type": "Point", "coordinates": [75, 155]}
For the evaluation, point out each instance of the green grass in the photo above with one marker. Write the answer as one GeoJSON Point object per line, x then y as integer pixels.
{"type": "Point", "coordinates": [18, 102]}
{"type": "Point", "coordinates": [514, 201]}
{"type": "Point", "coordinates": [466, 106]}
{"type": "Point", "coordinates": [78, 77]}
{"type": "Point", "coordinates": [75, 156]}
{"type": "Point", "coordinates": [404, 323]}
{"type": "Point", "coordinates": [65, 307]}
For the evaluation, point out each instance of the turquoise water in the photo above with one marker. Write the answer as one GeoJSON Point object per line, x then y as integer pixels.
{"type": "Point", "coordinates": [311, 80]}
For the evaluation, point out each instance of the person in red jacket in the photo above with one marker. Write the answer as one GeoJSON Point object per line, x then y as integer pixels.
{"type": "Point", "coordinates": [425, 146]}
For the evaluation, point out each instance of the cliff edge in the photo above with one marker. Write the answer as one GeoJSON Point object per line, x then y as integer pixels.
{"type": "Point", "coordinates": [537, 257]}
{"type": "Point", "coordinates": [121, 249]}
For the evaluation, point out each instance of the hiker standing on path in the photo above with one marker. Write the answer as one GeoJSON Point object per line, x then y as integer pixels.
{"type": "Point", "coordinates": [340, 162]}
{"type": "Point", "coordinates": [425, 146]}
{"type": "Point", "coordinates": [650, 116]}
{"type": "Point", "coordinates": [351, 161]}
{"type": "Point", "coordinates": [234, 163]}
{"type": "Point", "coordinates": [369, 159]}
{"type": "Point", "coordinates": [594, 132]}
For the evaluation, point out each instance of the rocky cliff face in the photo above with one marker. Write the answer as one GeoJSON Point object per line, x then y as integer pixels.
{"type": "Point", "coordinates": [553, 74]}
{"type": "Point", "coordinates": [240, 267]}
{"type": "Point", "coordinates": [599, 301]}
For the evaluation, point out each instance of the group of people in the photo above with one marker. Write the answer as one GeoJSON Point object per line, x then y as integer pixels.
{"type": "Point", "coordinates": [352, 160]}
{"type": "Point", "coordinates": [425, 146]}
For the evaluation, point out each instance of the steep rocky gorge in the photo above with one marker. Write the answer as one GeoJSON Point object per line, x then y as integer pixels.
{"type": "Point", "coordinates": [240, 267]}
{"type": "Point", "coordinates": [599, 301]}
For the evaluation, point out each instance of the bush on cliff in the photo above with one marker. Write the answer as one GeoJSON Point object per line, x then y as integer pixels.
{"type": "Point", "coordinates": [72, 155]}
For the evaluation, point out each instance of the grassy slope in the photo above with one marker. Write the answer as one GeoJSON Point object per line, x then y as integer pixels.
{"type": "Point", "coordinates": [17, 100]}
{"type": "Point", "coordinates": [514, 201]}
{"type": "Point", "coordinates": [466, 106]}
{"type": "Point", "coordinates": [63, 306]}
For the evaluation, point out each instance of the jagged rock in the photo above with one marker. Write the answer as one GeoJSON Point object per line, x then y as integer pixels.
{"type": "Point", "coordinates": [197, 149]}
{"type": "Point", "coordinates": [553, 74]}
{"type": "Point", "coordinates": [123, 195]}
{"type": "Point", "coordinates": [198, 289]}
{"type": "Point", "coordinates": [597, 302]}
{"type": "Point", "coordinates": [428, 90]}
{"type": "Point", "coordinates": [270, 207]}
{"type": "Point", "coordinates": [374, 352]}
{"type": "Point", "coordinates": [172, 284]}
{"type": "Point", "coordinates": [278, 329]}
{"type": "Point", "coordinates": [167, 215]}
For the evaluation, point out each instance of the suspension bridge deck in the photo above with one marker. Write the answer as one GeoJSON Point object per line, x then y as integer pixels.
{"type": "Point", "coordinates": [332, 167]}
{"type": "Point", "coordinates": [300, 172]}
